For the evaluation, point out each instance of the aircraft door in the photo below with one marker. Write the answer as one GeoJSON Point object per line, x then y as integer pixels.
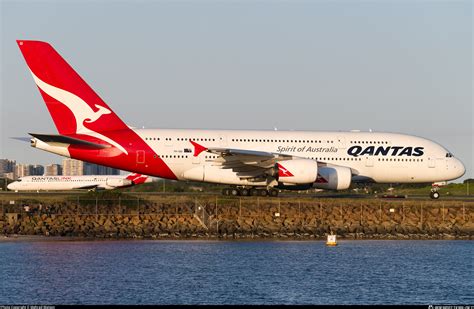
{"type": "Point", "coordinates": [369, 161]}
{"type": "Point", "coordinates": [341, 142]}
{"type": "Point", "coordinates": [431, 162]}
{"type": "Point", "coordinates": [140, 156]}
{"type": "Point", "coordinates": [222, 140]}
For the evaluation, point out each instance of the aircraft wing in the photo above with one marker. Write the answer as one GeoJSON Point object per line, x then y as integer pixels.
{"type": "Point", "coordinates": [250, 164]}
{"type": "Point", "coordinates": [247, 163]}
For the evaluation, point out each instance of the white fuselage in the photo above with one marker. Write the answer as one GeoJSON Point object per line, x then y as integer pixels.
{"type": "Point", "coordinates": [59, 183]}
{"type": "Point", "coordinates": [388, 162]}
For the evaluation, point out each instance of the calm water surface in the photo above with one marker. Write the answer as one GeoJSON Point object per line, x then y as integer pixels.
{"type": "Point", "coordinates": [216, 272]}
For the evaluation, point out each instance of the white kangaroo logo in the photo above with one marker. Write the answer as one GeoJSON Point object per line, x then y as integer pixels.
{"type": "Point", "coordinates": [81, 110]}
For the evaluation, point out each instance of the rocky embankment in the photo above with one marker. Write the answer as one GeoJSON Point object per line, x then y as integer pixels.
{"type": "Point", "coordinates": [246, 218]}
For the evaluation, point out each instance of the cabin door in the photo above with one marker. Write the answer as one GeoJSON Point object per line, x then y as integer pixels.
{"type": "Point", "coordinates": [369, 161]}
{"type": "Point", "coordinates": [222, 140]}
{"type": "Point", "coordinates": [431, 162]}
{"type": "Point", "coordinates": [140, 156]}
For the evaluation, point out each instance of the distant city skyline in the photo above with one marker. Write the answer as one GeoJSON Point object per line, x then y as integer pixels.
{"type": "Point", "coordinates": [11, 169]}
{"type": "Point", "coordinates": [401, 66]}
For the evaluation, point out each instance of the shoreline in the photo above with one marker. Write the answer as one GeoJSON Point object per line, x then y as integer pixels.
{"type": "Point", "coordinates": [239, 219]}
{"type": "Point", "coordinates": [200, 238]}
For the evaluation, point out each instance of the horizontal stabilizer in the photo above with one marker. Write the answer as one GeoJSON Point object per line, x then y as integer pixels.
{"type": "Point", "coordinates": [22, 139]}
{"type": "Point", "coordinates": [62, 139]}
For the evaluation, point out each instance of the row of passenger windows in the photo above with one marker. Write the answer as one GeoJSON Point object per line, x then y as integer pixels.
{"type": "Point", "coordinates": [182, 156]}
{"type": "Point", "coordinates": [196, 139]}
{"type": "Point", "coordinates": [336, 159]}
{"type": "Point", "coordinates": [72, 180]}
{"type": "Point", "coordinates": [182, 139]}
{"type": "Point", "coordinates": [401, 160]}
{"type": "Point", "coordinates": [255, 140]}
{"type": "Point", "coordinates": [279, 140]}
{"type": "Point", "coordinates": [369, 142]}
{"type": "Point", "coordinates": [313, 158]}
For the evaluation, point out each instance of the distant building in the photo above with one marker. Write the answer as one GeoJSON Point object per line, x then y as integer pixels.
{"type": "Point", "coordinates": [104, 170]}
{"type": "Point", "coordinates": [7, 166]}
{"type": "Point", "coordinates": [11, 175]}
{"type": "Point", "coordinates": [53, 170]}
{"type": "Point", "coordinates": [22, 170]}
{"type": "Point", "coordinates": [37, 170]}
{"type": "Point", "coordinates": [72, 167]}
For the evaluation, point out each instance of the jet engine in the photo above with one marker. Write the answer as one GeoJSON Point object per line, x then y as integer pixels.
{"type": "Point", "coordinates": [298, 171]}
{"type": "Point", "coordinates": [334, 178]}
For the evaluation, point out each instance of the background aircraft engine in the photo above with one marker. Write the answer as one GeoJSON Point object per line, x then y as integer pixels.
{"type": "Point", "coordinates": [298, 171]}
{"type": "Point", "coordinates": [334, 178]}
{"type": "Point", "coordinates": [114, 182]}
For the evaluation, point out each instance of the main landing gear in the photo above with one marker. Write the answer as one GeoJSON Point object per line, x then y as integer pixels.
{"type": "Point", "coordinates": [250, 192]}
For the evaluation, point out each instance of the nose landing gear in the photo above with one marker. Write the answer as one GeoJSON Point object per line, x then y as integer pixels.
{"type": "Point", "coordinates": [434, 194]}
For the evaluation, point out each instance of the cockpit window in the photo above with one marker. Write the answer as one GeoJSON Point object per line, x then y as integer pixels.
{"type": "Point", "coordinates": [449, 155]}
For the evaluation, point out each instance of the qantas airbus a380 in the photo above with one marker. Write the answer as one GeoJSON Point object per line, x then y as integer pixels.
{"type": "Point", "coordinates": [251, 162]}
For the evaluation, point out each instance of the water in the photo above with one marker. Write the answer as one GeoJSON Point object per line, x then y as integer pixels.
{"type": "Point", "coordinates": [215, 272]}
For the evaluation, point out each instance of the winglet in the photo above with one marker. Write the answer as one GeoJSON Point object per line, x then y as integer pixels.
{"type": "Point", "coordinates": [197, 148]}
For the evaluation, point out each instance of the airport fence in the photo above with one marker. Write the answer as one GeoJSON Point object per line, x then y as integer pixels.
{"type": "Point", "coordinates": [231, 207]}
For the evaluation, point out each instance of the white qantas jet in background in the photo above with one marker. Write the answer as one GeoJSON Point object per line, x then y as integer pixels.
{"type": "Point", "coordinates": [252, 162]}
{"type": "Point", "coordinates": [90, 182]}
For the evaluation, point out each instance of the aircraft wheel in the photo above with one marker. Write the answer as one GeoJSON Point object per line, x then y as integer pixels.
{"type": "Point", "coordinates": [263, 192]}
{"type": "Point", "coordinates": [434, 195]}
{"type": "Point", "coordinates": [234, 192]}
{"type": "Point", "coordinates": [273, 193]}
{"type": "Point", "coordinates": [254, 192]}
{"type": "Point", "coordinates": [226, 191]}
{"type": "Point", "coordinates": [245, 192]}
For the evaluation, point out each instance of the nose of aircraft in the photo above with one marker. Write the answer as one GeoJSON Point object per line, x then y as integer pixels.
{"type": "Point", "coordinates": [459, 168]}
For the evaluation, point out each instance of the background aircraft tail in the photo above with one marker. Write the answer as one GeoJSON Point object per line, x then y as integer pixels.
{"type": "Point", "coordinates": [138, 178]}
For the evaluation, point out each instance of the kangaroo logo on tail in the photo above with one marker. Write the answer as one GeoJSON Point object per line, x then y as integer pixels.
{"type": "Point", "coordinates": [81, 110]}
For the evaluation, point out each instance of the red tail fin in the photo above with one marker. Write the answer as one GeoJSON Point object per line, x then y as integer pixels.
{"type": "Point", "coordinates": [80, 114]}
{"type": "Point", "coordinates": [73, 105]}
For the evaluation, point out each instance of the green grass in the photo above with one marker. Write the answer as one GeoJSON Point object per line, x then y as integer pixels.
{"type": "Point", "coordinates": [458, 189]}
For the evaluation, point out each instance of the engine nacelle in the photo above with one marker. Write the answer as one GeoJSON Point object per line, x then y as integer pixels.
{"type": "Point", "coordinates": [116, 183]}
{"type": "Point", "coordinates": [298, 171]}
{"type": "Point", "coordinates": [334, 178]}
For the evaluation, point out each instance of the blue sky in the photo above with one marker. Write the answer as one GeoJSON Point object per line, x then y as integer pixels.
{"type": "Point", "coordinates": [397, 66]}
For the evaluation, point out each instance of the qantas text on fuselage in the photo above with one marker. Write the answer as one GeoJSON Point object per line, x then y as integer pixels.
{"type": "Point", "coordinates": [247, 160]}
